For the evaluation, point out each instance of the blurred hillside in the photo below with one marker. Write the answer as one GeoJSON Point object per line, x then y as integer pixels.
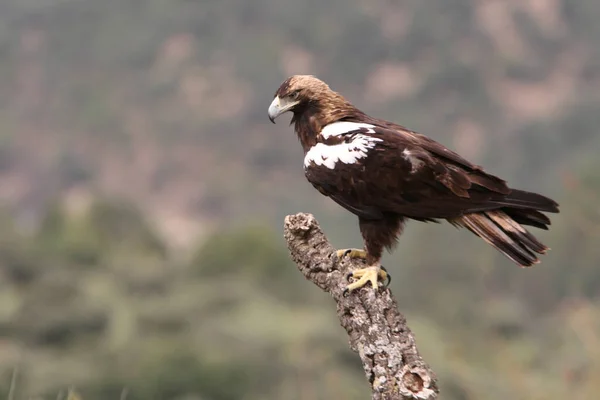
{"type": "Point", "coordinates": [143, 192]}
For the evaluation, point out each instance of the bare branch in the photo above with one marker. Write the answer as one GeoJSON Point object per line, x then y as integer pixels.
{"type": "Point", "coordinates": [377, 330]}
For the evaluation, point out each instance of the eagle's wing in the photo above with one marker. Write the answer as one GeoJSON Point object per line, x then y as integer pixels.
{"type": "Point", "coordinates": [349, 203]}
{"type": "Point", "coordinates": [381, 170]}
{"type": "Point", "coordinates": [428, 144]}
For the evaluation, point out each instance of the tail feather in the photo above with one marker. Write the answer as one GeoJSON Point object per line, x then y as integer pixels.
{"type": "Point", "coordinates": [528, 217]}
{"type": "Point", "coordinates": [500, 223]}
{"type": "Point", "coordinates": [505, 234]}
{"type": "Point", "coordinates": [516, 231]}
{"type": "Point", "coordinates": [528, 200]}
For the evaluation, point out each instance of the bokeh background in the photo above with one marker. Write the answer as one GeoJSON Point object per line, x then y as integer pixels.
{"type": "Point", "coordinates": [143, 192]}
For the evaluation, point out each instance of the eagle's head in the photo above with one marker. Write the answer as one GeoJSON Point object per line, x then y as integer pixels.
{"type": "Point", "coordinates": [302, 93]}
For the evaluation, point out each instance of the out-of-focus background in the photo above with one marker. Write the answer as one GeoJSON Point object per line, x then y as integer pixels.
{"type": "Point", "coordinates": [143, 193]}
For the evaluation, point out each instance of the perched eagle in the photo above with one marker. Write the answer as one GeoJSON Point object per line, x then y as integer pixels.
{"type": "Point", "coordinates": [385, 174]}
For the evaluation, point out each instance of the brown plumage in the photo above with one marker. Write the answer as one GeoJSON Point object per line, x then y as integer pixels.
{"type": "Point", "coordinates": [385, 173]}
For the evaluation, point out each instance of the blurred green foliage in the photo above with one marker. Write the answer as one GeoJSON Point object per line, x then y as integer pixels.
{"type": "Point", "coordinates": [257, 249]}
{"type": "Point", "coordinates": [99, 287]}
{"type": "Point", "coordinates": [110, 307]}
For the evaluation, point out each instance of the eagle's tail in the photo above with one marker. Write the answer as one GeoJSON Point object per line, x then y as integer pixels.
{"type": "Point", "coordinates": [527, 201]}
{"type": "Point", "coordinates": [505, 234]}
{"type": "Point", "coordinates": [502, 228]}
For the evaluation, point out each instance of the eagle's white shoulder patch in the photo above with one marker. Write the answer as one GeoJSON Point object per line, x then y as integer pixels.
{"type": "Point", "coordinates": [415, 162]}
{"type": "Point", "coordinates": [343, 127]}
{"type": "Point", "coordinates": [347, 153]}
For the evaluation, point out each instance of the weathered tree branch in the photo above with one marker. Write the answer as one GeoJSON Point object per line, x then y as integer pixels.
{"type": "Point", "coordinates": [376, 329]}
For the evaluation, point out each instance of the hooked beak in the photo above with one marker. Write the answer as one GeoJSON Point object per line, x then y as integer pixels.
{"type": "Point", "coordinates": [279, 106]}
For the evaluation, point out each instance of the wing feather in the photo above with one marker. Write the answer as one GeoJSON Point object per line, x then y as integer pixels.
{"type": "Point", "coordinates": [335, 194]}
{"type": "Point", "coordinates": [475, 172]}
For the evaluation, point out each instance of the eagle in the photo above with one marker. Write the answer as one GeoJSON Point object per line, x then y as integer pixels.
{"type": "Point", "coordinates": [386, 174]}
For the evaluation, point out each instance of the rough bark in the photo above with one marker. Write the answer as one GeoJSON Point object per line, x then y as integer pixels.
{"type": "Point", "coordinates": [377, 330]}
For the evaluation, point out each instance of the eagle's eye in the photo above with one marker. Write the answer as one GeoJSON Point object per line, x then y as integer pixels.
{"type": "Point", "coordinates": [294, 95]}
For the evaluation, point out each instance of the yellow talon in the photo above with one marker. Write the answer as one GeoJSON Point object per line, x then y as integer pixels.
{"type": "Point", "coordinates": [352, 253]}
{"type": "Point", "coordinates": [366, 275]}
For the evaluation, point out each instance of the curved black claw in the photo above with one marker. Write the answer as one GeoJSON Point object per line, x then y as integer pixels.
{"type": "Point", "coordinates": [345, 292]}
{"type": "Point", "coordinates": [388, 276]}
{"type": "Point", "coordinates": [348, 276]}
{"type": "Point", "coordinates": [348, 251]}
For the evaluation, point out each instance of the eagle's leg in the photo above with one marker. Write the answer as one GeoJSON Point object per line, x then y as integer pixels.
{"type": "Point", "coordinates": [352, 253]}
{"type": "Point", "coordinates": [377, 234]}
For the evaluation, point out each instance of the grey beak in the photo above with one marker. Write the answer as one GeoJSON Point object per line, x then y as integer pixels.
{"type": "Point", "coordinates": [274, 109]}
{"type": "Point", "coordinates": [279, 106]}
